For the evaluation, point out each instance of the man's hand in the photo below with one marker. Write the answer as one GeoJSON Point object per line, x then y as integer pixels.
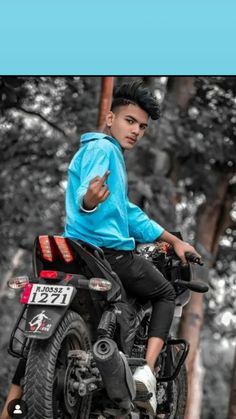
{"type": "Point", "coordinates": [181, 247]}
{"type": "Point", "coordinates": [97, 192]}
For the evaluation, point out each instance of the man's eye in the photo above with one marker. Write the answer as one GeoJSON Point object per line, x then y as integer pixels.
{"type": "Point", "coordinates": [130, 121]}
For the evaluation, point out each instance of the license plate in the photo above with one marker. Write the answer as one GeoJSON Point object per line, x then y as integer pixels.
{"type": "Point", "coordinates": [49, 295]}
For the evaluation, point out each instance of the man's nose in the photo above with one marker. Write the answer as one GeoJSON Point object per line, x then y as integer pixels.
{"type": "Point", "coordinates": [135, 129]}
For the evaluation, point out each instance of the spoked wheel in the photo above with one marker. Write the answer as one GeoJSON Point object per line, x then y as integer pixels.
{"type": "Point", "coordinates": [48, 389]}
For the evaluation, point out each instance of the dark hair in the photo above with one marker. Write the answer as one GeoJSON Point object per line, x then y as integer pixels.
{"type": "Point", "coordinates": [136, 93]}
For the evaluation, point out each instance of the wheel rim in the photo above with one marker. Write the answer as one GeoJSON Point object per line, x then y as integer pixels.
{"type": "Point", "coordinates": [66, 400]}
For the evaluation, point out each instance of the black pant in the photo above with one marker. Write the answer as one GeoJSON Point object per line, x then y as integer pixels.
{"type": "Point", "coordinates": [142, 280]}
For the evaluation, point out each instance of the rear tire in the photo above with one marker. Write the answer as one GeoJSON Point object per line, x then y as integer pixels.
{"type": "Point", "coordinates": [45, 371]}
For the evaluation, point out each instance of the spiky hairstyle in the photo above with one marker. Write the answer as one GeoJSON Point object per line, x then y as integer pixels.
{"type": "Point", "coordinates": [136, 93]}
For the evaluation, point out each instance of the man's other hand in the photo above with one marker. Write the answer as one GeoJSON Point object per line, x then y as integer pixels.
{"type": "Point", "coordinates": [97, 192]}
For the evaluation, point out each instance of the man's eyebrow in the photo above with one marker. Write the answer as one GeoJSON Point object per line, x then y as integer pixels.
{"type": "Point", "coordinates": [135, 120]}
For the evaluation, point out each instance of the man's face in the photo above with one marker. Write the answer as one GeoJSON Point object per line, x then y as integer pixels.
{"type": "Point", "coordinates": [127, 125]}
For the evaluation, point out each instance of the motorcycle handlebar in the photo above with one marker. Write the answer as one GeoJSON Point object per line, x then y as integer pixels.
{"type": "Point", "coordinates": [192, 257]}
{"type": "Point", "coordinates": [196, 286]}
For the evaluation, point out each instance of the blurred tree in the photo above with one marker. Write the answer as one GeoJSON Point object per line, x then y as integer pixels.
{"type": "Point", "coordinates": [40, 122]}
{"type": "Point", "coordinates": [204, 140]}
{"type": "Point", "coordinates": [105, 101]}
{"type": "Point", "coordinates": [232, 404]}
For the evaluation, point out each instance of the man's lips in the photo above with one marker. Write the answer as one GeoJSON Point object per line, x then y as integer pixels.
{"type": "Point", "coordinates": [132, 139]}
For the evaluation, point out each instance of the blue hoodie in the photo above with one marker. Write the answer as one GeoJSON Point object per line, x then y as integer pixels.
{"type": "Point", "coordinates": [116, 223]}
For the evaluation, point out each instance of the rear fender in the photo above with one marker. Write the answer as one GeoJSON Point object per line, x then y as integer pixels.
{"type": "Point", "coordinates": [41, 321]}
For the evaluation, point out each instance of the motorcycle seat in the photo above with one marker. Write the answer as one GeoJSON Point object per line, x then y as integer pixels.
{"type": "Point", "coordinates": [75, 256]}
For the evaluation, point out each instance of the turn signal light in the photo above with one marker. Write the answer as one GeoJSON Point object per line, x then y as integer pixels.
{"type": "Point", "coordinates": [99, 284]}
{"type": "Point", "coordinates": [18, 282]}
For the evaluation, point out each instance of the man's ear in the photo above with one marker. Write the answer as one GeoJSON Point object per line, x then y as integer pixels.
{"type": "Point", "coordinates": [109, 119]}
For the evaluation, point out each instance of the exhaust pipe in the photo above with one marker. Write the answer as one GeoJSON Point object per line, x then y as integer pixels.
{"type": "Point", "coordinates": [115, 371]}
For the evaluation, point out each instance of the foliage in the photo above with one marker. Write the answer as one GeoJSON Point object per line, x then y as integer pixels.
{"type": "Point", "coordinates": [41, 118]}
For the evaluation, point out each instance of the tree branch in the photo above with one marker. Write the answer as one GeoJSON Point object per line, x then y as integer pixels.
{"type": "Point", "coordinates": [33, 113]}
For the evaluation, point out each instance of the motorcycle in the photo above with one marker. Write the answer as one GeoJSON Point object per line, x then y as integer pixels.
{"type": "Point", "coordinates": [81, 337]}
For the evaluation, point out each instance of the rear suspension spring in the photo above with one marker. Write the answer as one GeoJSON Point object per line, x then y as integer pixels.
{"type": "Point", "coordinates": [107, 325]}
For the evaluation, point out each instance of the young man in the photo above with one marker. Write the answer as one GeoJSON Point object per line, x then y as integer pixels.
{"type": "Point", "coordinates": [99, 212]}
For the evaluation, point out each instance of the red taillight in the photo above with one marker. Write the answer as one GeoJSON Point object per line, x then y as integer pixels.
{"type": "Point", "coordinates": [63, 248]}
{"type": "Point", "coordinates": [49, 274]}
{"type": "Point", "coordinates": [46, 248]}
{"type": "Point", "coordinates": [26, 293]}
{"type": "Point", "coordinates": [55, 275]}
